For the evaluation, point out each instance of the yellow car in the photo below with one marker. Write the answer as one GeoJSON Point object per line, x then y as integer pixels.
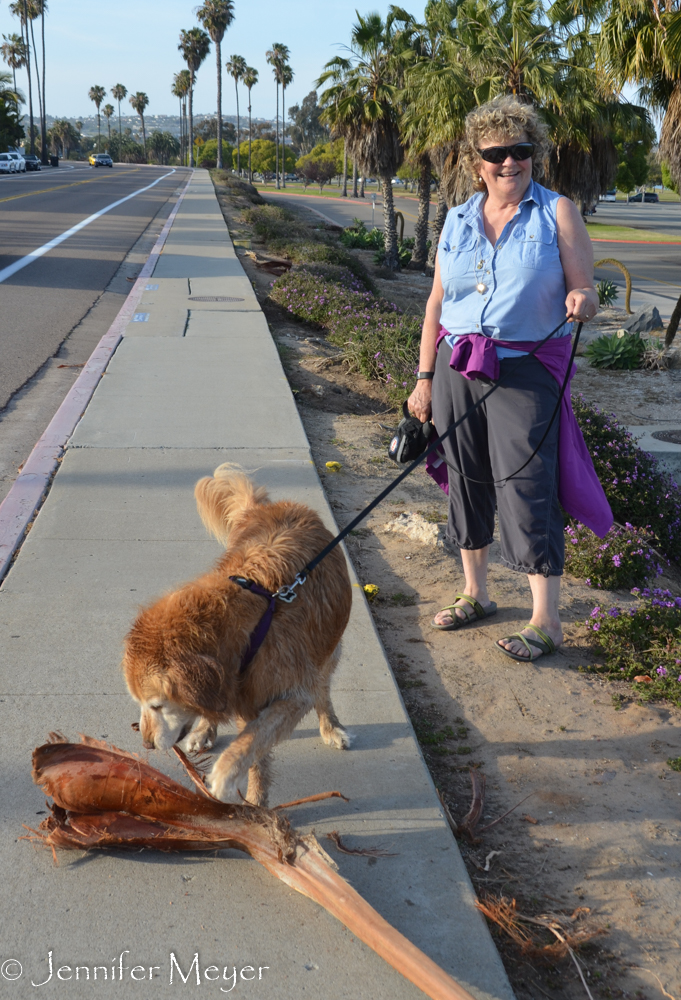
{"type": "Point", "coordinates": [100, 160]}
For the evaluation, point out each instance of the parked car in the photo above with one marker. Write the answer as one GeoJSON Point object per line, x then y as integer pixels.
{"type": "Point", "coordinates": [609, 195]}
{"type": "Point", "coordinates": [32, 162]}
{"type": "Point", "coordinates": [6, 164]}
{"type": "Point", "coordinates": [396, 182]}
{"type": "Point", "coordinates": [100, 160]}
{"type": "Point", "coordinates": [19, 161]}
{"type": "Point", "coordinates": [651, 196]}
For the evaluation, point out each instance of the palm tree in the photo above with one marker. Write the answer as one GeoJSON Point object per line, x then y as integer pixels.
{"type": "Point", "coordinates": [108, 110]}
{"type": "Point", "coordinates": [277, 57]}
{"type": "Point", "coordinates": [180, 89]}
{"type": "Point", "coordinates": [436, 96]}
{"type": "Point", "coordinates": [97, 95]}
{"type": "Point", "coordinates": [250, 78]}
{"type": "Point", "coordinates": [43, 150]}
{"type": "Point", "coordinates": [216, 16]}
{"type": "Point", "coordinates": [368, 98]}
{"type": "Point", "coordinates": [140, 103]}
{"type": "Point", "coordinates": [286, 80]}
{"type": "Point", "coordinates": [119, 93]}
{"type": "Point", "coordinates": [13, 51]}
{"type": "Point", "coordinates": [20, 9]}
{"type": "Point", "coordinates": [236, 67]}
{"type": "Point", "coordinates": [194, 46]}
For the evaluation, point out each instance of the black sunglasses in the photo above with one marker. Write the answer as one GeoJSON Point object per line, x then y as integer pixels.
{"type": "Point", "coordinates": [497, 154]}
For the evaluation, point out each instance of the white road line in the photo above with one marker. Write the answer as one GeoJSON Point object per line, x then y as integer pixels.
{"type": "Point", "coordinates": [7, 272]}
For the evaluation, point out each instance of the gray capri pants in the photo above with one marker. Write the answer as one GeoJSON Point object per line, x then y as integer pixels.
{"type": "Point", "coordinates": [492, 443]}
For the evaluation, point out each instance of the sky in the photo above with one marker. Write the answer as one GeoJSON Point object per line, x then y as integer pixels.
{"type": "Point", "coordinates": [134, 42]}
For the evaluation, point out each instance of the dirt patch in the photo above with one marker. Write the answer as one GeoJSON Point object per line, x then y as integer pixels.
{"type": "Point", "coordinates": [601, 826]}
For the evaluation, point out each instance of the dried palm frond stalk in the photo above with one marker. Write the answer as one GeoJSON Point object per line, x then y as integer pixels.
{"type": "Point", "coordinates": [105, 797]}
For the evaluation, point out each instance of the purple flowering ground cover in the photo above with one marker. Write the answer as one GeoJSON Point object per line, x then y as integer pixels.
{"type": "Point", "coordinates": [377, 339]}
{"type": "Point", "coordinates": [641, 641]}
{"type": "Point", "coordinates": [637, 488]}
{"type": "Point", "coordinates": [617, 562]}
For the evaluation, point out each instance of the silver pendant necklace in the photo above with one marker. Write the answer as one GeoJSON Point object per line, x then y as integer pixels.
{"type": "Point", "coordinates": [481, 287]}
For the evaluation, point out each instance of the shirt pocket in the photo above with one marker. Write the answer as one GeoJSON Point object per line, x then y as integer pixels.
{"type": "Point", "coordinates": [456, 258]}
{"type": "Point", "coordinates": [534, 245]}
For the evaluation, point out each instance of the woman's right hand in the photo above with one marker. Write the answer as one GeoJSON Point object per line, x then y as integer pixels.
{"type": "Point", "coordinates": [419, 403]}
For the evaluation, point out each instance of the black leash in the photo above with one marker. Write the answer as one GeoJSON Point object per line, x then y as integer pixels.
{"type": "Point", "coordinates": [287, 593]}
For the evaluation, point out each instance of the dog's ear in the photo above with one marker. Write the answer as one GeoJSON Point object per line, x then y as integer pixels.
{"type": "Point", "coordinates": [197, 681]}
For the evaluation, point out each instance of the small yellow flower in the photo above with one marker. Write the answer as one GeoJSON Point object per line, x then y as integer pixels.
{"type": "Point", "coordinates": [334, 466]}
{"type": "Point", "coordinates": [621, 333]}
{"type": "Point", "coordinates": [370, 589]}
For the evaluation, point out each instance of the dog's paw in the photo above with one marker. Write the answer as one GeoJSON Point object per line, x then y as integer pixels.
{"type": "Point", "coordinates": [224, 787]}
{"type": "Point", "coordinates": [202, 738]}
{"type": "Point", "coordinates": [337, 736]}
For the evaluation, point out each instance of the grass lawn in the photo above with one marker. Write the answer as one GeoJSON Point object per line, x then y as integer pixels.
{"type": "Point", "coordinates": [600, 231]}
{"type": "Point", "coordinates": [330, 190]}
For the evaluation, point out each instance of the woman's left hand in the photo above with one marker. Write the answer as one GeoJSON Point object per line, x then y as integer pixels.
{"type": "Point", "coordinates": [582, 304]}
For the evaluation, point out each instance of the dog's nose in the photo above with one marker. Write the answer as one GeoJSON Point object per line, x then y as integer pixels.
{"type": "Point", "coordinates": [147, 744]}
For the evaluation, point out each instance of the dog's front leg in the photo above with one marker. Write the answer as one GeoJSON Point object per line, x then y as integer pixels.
{"type": "Point", "coordinates": [275, 723]}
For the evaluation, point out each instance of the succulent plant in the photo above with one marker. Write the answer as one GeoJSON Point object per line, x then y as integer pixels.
{"type": "Point", "coordinates": [607, 292]}
{"type": "Point", "coordinates": [621, 350]}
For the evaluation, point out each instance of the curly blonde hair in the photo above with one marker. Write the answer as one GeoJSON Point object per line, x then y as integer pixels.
{"type": "Point", "coordinates": [503, 117]}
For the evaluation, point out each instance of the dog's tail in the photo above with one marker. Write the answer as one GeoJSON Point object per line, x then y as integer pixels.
{"type": "Point", "coordinates": [224, 496]}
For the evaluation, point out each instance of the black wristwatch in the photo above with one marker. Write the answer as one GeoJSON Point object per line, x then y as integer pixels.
{"type": "Point", "coordinates": [428, 375]}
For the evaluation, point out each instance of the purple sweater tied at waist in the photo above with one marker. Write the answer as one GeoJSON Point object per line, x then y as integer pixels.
{"type": "Point", "coordinates": [579, 489]}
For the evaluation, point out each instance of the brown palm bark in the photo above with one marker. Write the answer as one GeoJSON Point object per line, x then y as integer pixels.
{"type": "Point", "coordinates": [419, 257]}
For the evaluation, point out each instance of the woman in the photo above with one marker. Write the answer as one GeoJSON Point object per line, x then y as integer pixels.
{"type": "Point", "coordinates": [514, 263]}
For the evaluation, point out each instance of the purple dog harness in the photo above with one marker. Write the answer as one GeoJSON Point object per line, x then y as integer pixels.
{"type": "Point", "coordinates": [286, 594]}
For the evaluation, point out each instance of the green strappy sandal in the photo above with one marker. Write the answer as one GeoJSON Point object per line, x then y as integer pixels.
{"type": "Point", "coordinates": [544, 643]}
{"type": "Point", "coordinates": [473, 614]}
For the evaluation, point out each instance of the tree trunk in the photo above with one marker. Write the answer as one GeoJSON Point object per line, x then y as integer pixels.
{"type": "Point", "coordinates": [673, 324]}
{"type": "Point", "coordinates": [43, 133]}
{"type": "Point", "coordinates": [37, 76]}
{"type": "Point", "coordinates": [276, 139]}
{"type": "Point", "coordinates": [191, 120]}
{"type": "Point", "coordinates": [218, 55]}
{"type": "Point", "coordinates": [144, 139]}
{"type": "Point", "coordinates": [345, 168]}
{"type": "Point", "coordinates": [24, 24]}
{"type": "Point", "coordinates": [283, 135]}
{"type": "Point", "coordinates": [99, 132]}
{"type": "Point", "coordinates": [250, 134]}
{"type": "Point", "coordinates": [389, 223]}
{"type": "Point", "coordinates": [438, 223]}
{"type": "Point", "coordinates": [354, 179]}
{"type": "Point", "coordinates": [238, 130]}
{"type": "Point", "coordinates": [362, 186]}
{"type": "Point", "coordinates": [120, 131]}
{"type": "Point", "coordinates": [420, 256]}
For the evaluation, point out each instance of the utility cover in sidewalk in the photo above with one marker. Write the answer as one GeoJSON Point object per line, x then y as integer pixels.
{"type": "Point", "coordinates": [671, 437]}
{"type": "Point", "coordinates": [140, 318]}
{"type": "Point", "coordinates": [214, 298]}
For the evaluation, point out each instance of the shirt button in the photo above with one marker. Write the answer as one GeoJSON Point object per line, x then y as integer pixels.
{"type": "Point", "coordinates": [531, 236]}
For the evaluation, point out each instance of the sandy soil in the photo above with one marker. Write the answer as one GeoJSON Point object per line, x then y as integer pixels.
{"type": "Point", "coordinates": [599, 825]}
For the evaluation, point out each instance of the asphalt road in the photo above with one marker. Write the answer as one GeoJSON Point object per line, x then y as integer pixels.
{"type": "Point", "coordinates": [43, 302]}
{"type": "Point", "coordinates": [655, 268]}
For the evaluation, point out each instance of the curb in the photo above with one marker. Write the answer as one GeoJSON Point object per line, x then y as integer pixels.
{"type": "Point", "coordinates": [28, 490]}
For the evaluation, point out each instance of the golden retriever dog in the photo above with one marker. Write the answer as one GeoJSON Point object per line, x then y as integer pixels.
{"type": "Point", "coordinates": [183, 653]}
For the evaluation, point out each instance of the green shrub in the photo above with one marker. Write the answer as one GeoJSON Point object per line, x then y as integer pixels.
{"type": "Point", "coordinates": [641, 641]}
{"type": "Point", "coordinates": [607, 292]}
{"type": "Point", "coordinates": [621, 350]}
{"type": "Point", "coordinates": [309, 252]}
{"type": "Point", "coordinates": [208, 154]}
{"type": "Point", "coordinates": [636, 487]}
{"type": "Point", "coordinates": [618, 561]}
{"type": "Point", "coordinates": [273, 223]}
{"type": "Point", "coordinates": [358, 237]}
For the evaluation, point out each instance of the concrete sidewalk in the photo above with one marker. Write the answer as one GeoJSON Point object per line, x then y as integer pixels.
{"type": "Point", "coordinates": [120, 526]}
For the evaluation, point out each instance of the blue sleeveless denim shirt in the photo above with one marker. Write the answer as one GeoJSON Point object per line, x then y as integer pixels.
{"type": "Point", "coordinates": [525, 294]}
